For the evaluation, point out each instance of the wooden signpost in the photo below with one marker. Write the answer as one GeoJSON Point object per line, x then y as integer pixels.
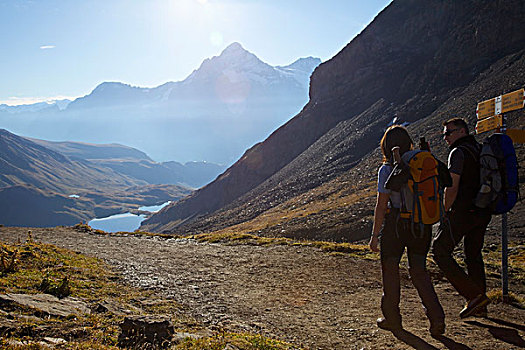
{"type": "Point", "coordinates": [501, 104]}
{"type": "Point", "coordinates": [486, 108]}
{"type": "Point", "coordinates": [490, 114]}
{"type": "Point", "coordinates": [490, 123]}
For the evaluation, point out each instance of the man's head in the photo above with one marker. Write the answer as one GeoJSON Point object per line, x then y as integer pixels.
{"type": "Point", "coordinates": [454, 129]}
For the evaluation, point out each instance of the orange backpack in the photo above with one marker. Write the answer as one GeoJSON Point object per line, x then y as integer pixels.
{"type": "Point", "coordinates": [421, 196]}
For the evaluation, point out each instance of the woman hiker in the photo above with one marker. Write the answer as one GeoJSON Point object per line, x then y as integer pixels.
{"type": "Point", "coordinates": [392, 234]}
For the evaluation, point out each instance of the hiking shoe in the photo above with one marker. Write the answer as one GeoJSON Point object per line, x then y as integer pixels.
{"type": "Point", "coordinates": [481, 312]}
{"type": "Point", "coordinates": [383, 323]}
{"type": "Point", "coordinates": [474, 305]}
{"type": "Point", "coordinates": [437, 329]}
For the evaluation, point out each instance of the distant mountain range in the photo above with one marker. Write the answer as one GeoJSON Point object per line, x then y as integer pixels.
{"type": "Point", "coordinates": [40, 186]}
{"type": "Point", "coordinates": [35, 107]}
{"type": "Point", "coordinates": [136, 164]}
{"type": "Point", "coordinates": [418, 63]}
{"type": "Point", "coordinates": [225, 106]}
{"type": "Point", "coordinates": [25, 162]}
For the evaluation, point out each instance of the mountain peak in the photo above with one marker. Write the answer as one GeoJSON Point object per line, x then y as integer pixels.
{"type": "Point", "coordinates": [233, 48]}
{"type": "Point", "coordinates": [235, 54]}
{"type": "Point", "coordinates": [4, 132]}
{"type": "Point", "coordinates": [233, 58]}
{"type": "Point", "coordinates": [305, 63]}
{"type": "Point", "coordinates": [110, 85]}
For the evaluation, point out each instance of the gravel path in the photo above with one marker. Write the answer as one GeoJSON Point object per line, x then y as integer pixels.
{"type": "Point", "coordinates": [295, 293]}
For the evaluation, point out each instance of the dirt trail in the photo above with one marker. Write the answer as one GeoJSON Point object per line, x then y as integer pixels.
{"type": "Point", "coordinates": [295, 293]}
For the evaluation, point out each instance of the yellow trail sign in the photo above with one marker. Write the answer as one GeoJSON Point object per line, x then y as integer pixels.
{"type": "Point", "coordinates": [486, 108]}
{"type": "Point", "coordinates": [501, 104]}
{"type": "Point", "coordinates": [512, 101]}
{"type": "Point", "coordinates": [488, 124]}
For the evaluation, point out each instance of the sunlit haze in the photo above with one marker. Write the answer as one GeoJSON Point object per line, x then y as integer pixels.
{"type": "Point", "coordinates": [63, 49]}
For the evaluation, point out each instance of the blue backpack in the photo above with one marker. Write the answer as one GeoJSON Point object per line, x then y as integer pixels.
{"type": "Point", "coordinates": [498, 175]}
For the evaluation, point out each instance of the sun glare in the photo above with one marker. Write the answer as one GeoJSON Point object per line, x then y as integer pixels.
{"type": "Point", "coordinates": [216, 39]}
{"type": "Point", "coordinates": [211, 22]}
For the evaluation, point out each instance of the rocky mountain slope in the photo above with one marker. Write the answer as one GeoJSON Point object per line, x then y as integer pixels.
{"type": "Point", "coordinates": [90, 151]}
{"type": "Point", "coordinates": [230, 102]}
{"type": "Point", "coordinates": [23, 161]}
{"type": "Point", "coordinates": [417, 63]}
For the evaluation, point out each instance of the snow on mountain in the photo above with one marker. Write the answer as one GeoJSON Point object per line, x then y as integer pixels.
{"type": "Point", "coordinates": [228, 104]}
{"type": "Point", "coordinates": [62, 104]}
{"type": "Point", "coordinates": [233, 66]}
{"type": "Point", "coordinates": [232, 61]}
{"type": "Point", "coordinates": [35, 107]}
{"type": "Point", "coordinates": [301, 69]}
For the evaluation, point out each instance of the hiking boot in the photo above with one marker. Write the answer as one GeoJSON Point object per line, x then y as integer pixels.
{"type": "Point", "coordinates": [474, 305]}
{"type": "Point", "coordinates": [437, 329]}
{"type": "Point", "coordinates": [482, 312]}
{"type": "Point", "coordinates": [383, 323]}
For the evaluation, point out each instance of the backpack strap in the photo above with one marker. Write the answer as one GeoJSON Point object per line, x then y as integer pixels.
{"type": "Point", "coordinates": [419, 213]}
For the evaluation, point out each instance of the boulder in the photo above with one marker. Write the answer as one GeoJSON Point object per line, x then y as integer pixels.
{"type": "Point", "coordinates": [47, 304]}
{"type": "Point", "coordinates": [146, 332]}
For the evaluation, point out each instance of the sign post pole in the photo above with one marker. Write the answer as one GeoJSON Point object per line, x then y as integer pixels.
{"type": "Point", "coordinates": [504, 241]}
{"type": "Point", "coordinates": [504, 257]}
{"type": "Point", "coordinates": [490, 114]}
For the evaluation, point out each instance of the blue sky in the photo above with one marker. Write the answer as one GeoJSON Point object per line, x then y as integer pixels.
{"type": "Point", "coordinates": [54, 48]}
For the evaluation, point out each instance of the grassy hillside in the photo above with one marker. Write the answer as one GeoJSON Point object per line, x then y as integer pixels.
{"type": "Point", "coordinates": [25, 162]}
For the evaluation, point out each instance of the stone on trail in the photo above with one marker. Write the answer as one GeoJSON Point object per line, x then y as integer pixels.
{"type": "Point", "coordinates": [47, 304]}
{"type": "Point", "coordinates": [53, 341]}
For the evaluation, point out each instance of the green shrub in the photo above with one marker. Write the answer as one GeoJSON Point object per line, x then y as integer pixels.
{"type": "Point", "coordinates": [60, 290]}
{"type": "Point", "coordinates": [8, 264]}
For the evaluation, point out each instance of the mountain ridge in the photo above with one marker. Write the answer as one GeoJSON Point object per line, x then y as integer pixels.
{"type": "Point", "coordinates": [136, 164]}
{"type": "Point", "coordinates": [228, 104]}
{"type": "Point", "coordinates": [233, 57]}
{"type": "Point", "coordinates": [24, 161]}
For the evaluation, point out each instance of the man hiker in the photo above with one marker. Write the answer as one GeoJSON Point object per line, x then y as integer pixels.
{"type": "Point", "coordinates": [463, 220]}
